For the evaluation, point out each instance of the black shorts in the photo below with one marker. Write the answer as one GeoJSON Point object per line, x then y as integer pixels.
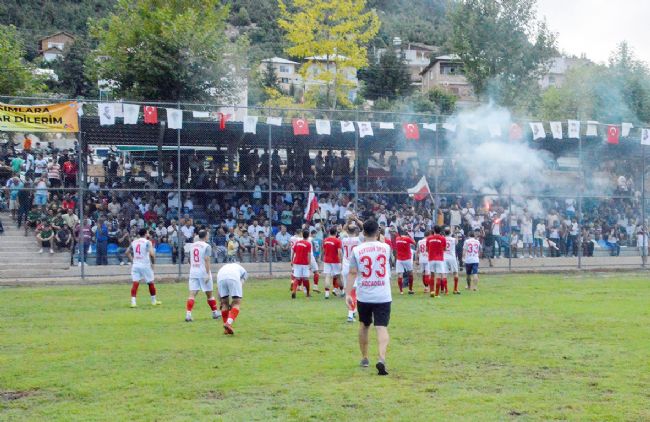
{"type": "Point", "coordinates": [379, 312]}
{"type": "Point", "coordinates": [45, 243]}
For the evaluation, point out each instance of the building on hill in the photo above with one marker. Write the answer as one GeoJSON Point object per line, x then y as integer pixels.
{"type": "Point", "coordinates": [446, 72]}
{"type": "Point", "coordinates": [557, 71]}
{"type": "Point", "coordinates": [318, 64]}
{"type": "Point", "coordinates": [417, 57]}
{"type": "Point", "coordinates": [285, 70]}
{"type": "Point", "coordinates": [53, 46]}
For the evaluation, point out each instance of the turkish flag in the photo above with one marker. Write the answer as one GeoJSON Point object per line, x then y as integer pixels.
{"type": "Point", "coordinates": [223, 118]}
{"type": "Point", "coordinates": [516, 132]}
{"type": "Point", "coordinates": [411, 131]}
{"type": "Point", "coordinates": [421, 191]}
{"type": "Point", "coordinates": [312, 204]}
{"type": "Point", "coordinates": [300, 127]}
{"type": "Point", "coordinates": [613, 134]}
{"type": "Point", "coordinates": [151, 115]}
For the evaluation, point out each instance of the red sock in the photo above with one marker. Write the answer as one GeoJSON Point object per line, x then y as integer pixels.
{"type": "Point", "coordinates": [224, 316]}
{"type": "Point", "coordinates": [134, 289]}
{"type": "Point", "coordinates": [456, 283]}
{"type": "Point", "coordinates": [432, 283]}
{"type": "Point", "coordinates": [212, 303]}
{"type": "Point", "coordinates": [305, 282]}
{"type": "Point", "coordinates": [294, 285]}
{"type": "Point", "coordinates": [438, 284]}
{"type": "Point", "coordinates": [411, 282]}
{"type": "Point", "coordinates": [316, 277]}
{"type": "Point", "coordinates": [425, 280]}
{"type": "Point", "coordinates": [335, 281]}
{"type": "Point", "coordinates": [399, 283]}
{"type": "Point", "coordinates": [152, 289]}
{"type": "Point", "coordinates": [233, 314]}
{"type": "Point", "coordinates": [293, 280]}
{"type": "Point", "coordinates": [190, 304]}
{"type": "Point", "coordinates": [444, 285]}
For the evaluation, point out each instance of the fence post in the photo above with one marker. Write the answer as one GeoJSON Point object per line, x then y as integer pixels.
{"type": "Point", "coordinates": [356, 164]}
{"type": "Point", "coordinates": [181, 239]}
{"type": "Point", "coordinates": [644, 243]}
{"type": "Point", "coordinates": [270, 195]}
{"type": "Point", "coordinates": [80, 202]}
{"type": "Point", "coordinates": [436, 200]}
{"type": "Point", "coordinates": [510, 228]}
{"type": "Point", "coordinates": [581, 194]}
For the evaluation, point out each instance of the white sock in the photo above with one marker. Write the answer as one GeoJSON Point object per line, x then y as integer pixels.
{"type": "Point", "coordinates": [188, 313]}
{"type": "Point", "coordinates": [327, 293]}
{"type": "Point", "coordinates": [133, 300]}
{"type": "Point", "coordinates": [229, 321]}
{"type": "Point", "coordinates": [350, 314]}
{"type": "Point", "coordinates": [153, 299]}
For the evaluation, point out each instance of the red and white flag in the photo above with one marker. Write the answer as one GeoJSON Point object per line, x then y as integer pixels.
{"type": "Point", "coordinates": [151, 115]}
{"type": "Point", "coordinates": [613, 134]}
{"type": "Point", "coordinates": [421, 191]}
{"type": "Point", "coordinates": [312, 204]}
{"type": "Point", "coordinates": [300, 127]}
{"type": "Point", "coordinates": [411, 131]}
{"type": "Point", "coordinates": [223, 118]}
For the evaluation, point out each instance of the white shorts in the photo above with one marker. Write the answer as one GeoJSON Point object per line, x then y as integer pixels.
{"type": "Point", "coordinates": [424, 265]}
{"type": "Point", "coordinates": [452, 264]}
{"type": "Point", "coordinates": [301, 271]}
{"type": "Point", "coordinates": [345, 270]}
{"type": "Point", "coordinates": [313, 266]}
{"type": "Point", "coordinates": [437, 267]}
{"type": "Point", "coordinates": [142, 273]}
{"type": "Point", "coordinates": [203, 284]}
{"type": "Point", "coordinates": [402, 266]}
{"type": "Point", "coordinates": [527, 239]}
{"type": "Point", "coordinates": [13, 204]}
{"type": "Point", "coordinates": [232, 288]}
{"type": "Point", "coordinates": [331, 269]}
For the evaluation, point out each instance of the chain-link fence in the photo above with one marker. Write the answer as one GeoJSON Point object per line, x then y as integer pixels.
{"type": "Point", "coordinates": [535, 204]}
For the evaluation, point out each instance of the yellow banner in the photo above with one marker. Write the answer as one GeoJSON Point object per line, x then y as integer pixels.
{"type": "Point", "coordinates": [61, 117]}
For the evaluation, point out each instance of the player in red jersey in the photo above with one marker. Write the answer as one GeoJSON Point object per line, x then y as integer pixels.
{"type": "Point", "coordinates": [332, 254]}
{"type": "Point", "coordinates": [302, 258]}
{"type": "Point", "coordinates": [404, 265]}
{"type": "Point", "coordinates": [436, 245]}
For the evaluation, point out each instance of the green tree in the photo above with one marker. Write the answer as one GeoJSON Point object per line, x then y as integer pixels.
{"type": "Point", "coordinates": [270, 77]}
{"type": "Point", "coordinates": [504, 48]}
{"type": "Point", "coordinates": [71, 70]}
{"type": "Point", "coordinates": [16, 74]}
{"type": "Point", "coordinates": [165, 50]}
{"type": "Point", "coordinates": [388, 77]}
{"type": "Point", "coordinates": [337, 30]}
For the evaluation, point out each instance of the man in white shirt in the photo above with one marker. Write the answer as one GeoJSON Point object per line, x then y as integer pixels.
{"type": "Point", "coordinates": [141, 254]}
{"type": "Point", "coordinates": [471, 251]}
{"type": "Point", "coordinates": [200, 275]}
{"type": "Point", "coordinates": [369, 273]}
{"type": "Point", "coordinates": [230, 281]}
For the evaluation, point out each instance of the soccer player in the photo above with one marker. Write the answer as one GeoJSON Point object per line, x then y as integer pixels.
{"type": "Point", "coordinates": [230, 281]}
{"type": "Point", "coordinates": [423, 260]}
{"type": "Point", "coordinates": [436, 245]}
{"type": "Point", "coordinates": [201, 275]}
{"type": "Point", "coordinates": [471, 251]}
{"type": "Point", "coordinates": [370, 273]}
{"type": "Point", "coordinates": [404, 261]}
{"type": "Point", "coordinates": [332, 254]}
{"type": "Point", "coordinates": [302, 258]}
{"type": "Point", "coordinates": [351, 241]}
{"type": "Point", "coordinates": [450, 261]}
{"type": "Point", "coordinates": [142, 256]}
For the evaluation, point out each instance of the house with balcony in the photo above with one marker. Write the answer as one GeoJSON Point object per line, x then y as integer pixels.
{"type": "Point", "coordinates": [446, 72]}
{"type": "Point", "coordinates": [285, 70]}
{"type": "Point", "coordinates": [53, 46]}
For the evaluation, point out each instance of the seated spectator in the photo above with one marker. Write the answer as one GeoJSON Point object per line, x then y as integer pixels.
{"type": "Point", "coordinates": [45, 238]}
{"type": "Point", "coordinates": [63, 239]}
{"type": "Point", "coordinates": [233, 248]}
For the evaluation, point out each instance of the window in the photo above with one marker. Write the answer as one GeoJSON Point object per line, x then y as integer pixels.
{"type": "Point", "coordinates": [284, 80]}
{"type": "Point", "coordinates": [58, 45]}
{"type": "Point", "coordinates": [451, 69]}
{"type": "Point", "coordinates": [285, 69]}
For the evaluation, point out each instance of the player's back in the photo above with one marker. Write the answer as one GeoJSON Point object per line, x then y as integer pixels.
{"type": "Point", "coordinates": [198, 252]}
{"type": "Point", "coordinates": [302, 252]}
{"type": "Point", "coordinates": [423, 255]}
{"type": "Point", "coordinates": [436, 247]}
{"type": "Point", "coordinates": [331, 247]}
{"type": "Point", "coordinates": [232, 271]}
{"type": "Point", "coordinates": [141, 249]}
{"type": "Point", "coordinates": [348, 244]}
{"type": "Point", "coordinates": [450, 248]}
{"type": "Point", "coordinates": [472, 248]}
{"type": "Point", "coordinates": [373, 271]}
{"type": "Point", "coordinates": [403, 248]}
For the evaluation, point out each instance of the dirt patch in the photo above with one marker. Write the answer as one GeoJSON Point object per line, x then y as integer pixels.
{"type": "Point", "coordinates": [516, 413]}
{"type": "Point", "coordinates": [214, 395]}
{"type": "Point", "coordinates": [15, 395]}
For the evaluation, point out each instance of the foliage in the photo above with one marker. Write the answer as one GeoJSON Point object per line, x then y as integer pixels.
{"type": "Point", "coordinates": [412, 20]}
{"type": "Point", "coordinates": [338, 30]}
{"type": "Point", "coordinates": [71, 70]}
{"type": "Point", "coordinates": [16, 74]}
{"type": "Point", "coordinates": [388, 77]}
{"type": "Point", "coordinates": [270, 77]}
{"type": "Point", "coordinates": [503, 47]}
{"type": "Point", "coordinates": [437, 101]}
{"type": "Point", "coordinates": [536, 347]}
{"type": "Point", "coordinates": [165, 50]}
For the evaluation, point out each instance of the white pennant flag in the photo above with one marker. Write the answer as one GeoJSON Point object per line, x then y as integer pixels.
{"type": "Point", "coordinates": [430, 126]}
{"type": "Point", "coordinates": [131, 113]}
{"type": "Point", "coordinates": [592, 128]}
{"type": "Point", "coordinates": [200, 114]}
{"type": "Point", "coordinates": [645, 136]}
{"type": "Point", "coordinates": [626, 127]}
{"type": "Point", "coordinates": [106, 114]}
{"type": "Point", "coordinates": [386, 125]}
{"type": "Point", "coordinates": [80, 109]}
{"type": "Point", "coordinates": [119, 112]}
{"type": "Point", "coordinates": [274, 121]}
{"type": "Point", "coordinates": [574, 129]}
{"type": "Point", "coordinates": [347, 126]}
{"type": "Point", "coordinates": [471, 126]}
{"type": "Point", "coordinates": [250, 124]}
{"type": "Point", "coordinates": [451, 127]}
{"type": "Point", "coordinates": [495, 130]}
{"type": "Point", "coordinates": [323, 127]}
{"type": "Point", "coordinates": [365, 129]}
{"type": "Point", "coordinates": [538, 130]}
{"type": "Point", "coordinates": [556, 130]}
{"type": "Point", "coordinates": [174, 118]}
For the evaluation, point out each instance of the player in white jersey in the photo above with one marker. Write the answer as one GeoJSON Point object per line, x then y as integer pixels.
{"type": "Point", "coordinates": [201, 275]}
{"type": "Point", "coordinates": [349, 243]}
{"type": "Point", "coordinates": [451, 261]}
{"type": "Point", "coordinates": [423, 260]}
{"type": "Point", "coordinates": [230, 282]}
{"type": "Point", "coordinates": [471, 250]}
{"type": "Point", "coordinates": [369, 271]}
{"type": "Point", "coordinates": [142, 256]}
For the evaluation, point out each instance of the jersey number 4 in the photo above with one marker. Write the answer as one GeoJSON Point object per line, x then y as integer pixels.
{"type": "Point", "coordinates": [366, 261]}
{"type": "Point", "coordinates": [137, 249]}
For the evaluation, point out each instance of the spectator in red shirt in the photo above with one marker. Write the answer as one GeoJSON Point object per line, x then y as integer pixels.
{"type": "Point", "coordinates": [68, 203]}
{"type": "Point", "coordinates": [150, 216]}
{"type": "Point", "coordinates": [70, 173]}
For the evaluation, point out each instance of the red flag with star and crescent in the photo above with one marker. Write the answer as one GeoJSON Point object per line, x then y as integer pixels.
{"type": "Point", "coordinates": [613, 134]}
{"type": "Point", "coordinates": [411, 131]}
{"type": "Point", "coordinates": [300, 127]}
{"type": "Point", "coordinates": [151, 115]}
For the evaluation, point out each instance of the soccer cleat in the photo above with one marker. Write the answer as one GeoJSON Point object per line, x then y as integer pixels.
{"type": "Point", "coordinates": [315, 289]}
{"type": "Point", "coordinates": [411, 292]}
{"type": "Point", "coordinates": [134, 305]}
{"type": "Point", "coordinates": [293, 295]}
{"type": "Point", "coordinates": [228, 329]}
{"type": "Point", "coordinates": [381, 368]}
{"type": "Point", "coordinates": [156, 303]}
{"type": "Point", "coordinates": [401, 292]}
{"type": "Point", "coordinates": [364, 363]}
{"type": "Point", "coordinates": [216, 315]}
{"type": "Point", "coordinates": [188, 318]}
{"type": "Point", "coordinates": [350, 319]}
{"type": "Point", "coordinates": [456, 292]}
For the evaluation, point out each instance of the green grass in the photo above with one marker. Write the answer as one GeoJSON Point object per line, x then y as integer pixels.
{"type": "Point", "coordinates": [525, 347]}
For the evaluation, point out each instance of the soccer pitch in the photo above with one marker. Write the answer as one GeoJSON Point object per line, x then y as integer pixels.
{"type": "Point", "coordinates": [535, 347]}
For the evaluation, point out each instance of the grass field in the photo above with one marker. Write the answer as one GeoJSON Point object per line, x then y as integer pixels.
{"type": "Point", "coordinates": [524, 347]}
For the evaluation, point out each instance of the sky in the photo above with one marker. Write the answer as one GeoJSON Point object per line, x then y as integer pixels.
{"type": "Point", "coordinates": [595, 27]}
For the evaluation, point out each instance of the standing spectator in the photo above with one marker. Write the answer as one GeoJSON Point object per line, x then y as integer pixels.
{"type": "Point", "coordinates": [123, 243]}
{"type": "Point", "coordinates": [101, 239]}
{"type": "Point", "coordinates": [172, 236]}
{"type": "Point", "coordinates": [84, 236]}
{"type": "Point", "coordinates": [14, 185]}
{"type": "Point", "coordinates": [40, 166]}
{"type": "Point", "coordinates": [187, 232]}
{"type": "Point", "coordinates": [54, 173]}
{"type": "Point", "coordinates": [642, 243]}
{"type": "Point", "coordinates": [540, 235]}
{"type": "Point", "coordinates": [41, 195]}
